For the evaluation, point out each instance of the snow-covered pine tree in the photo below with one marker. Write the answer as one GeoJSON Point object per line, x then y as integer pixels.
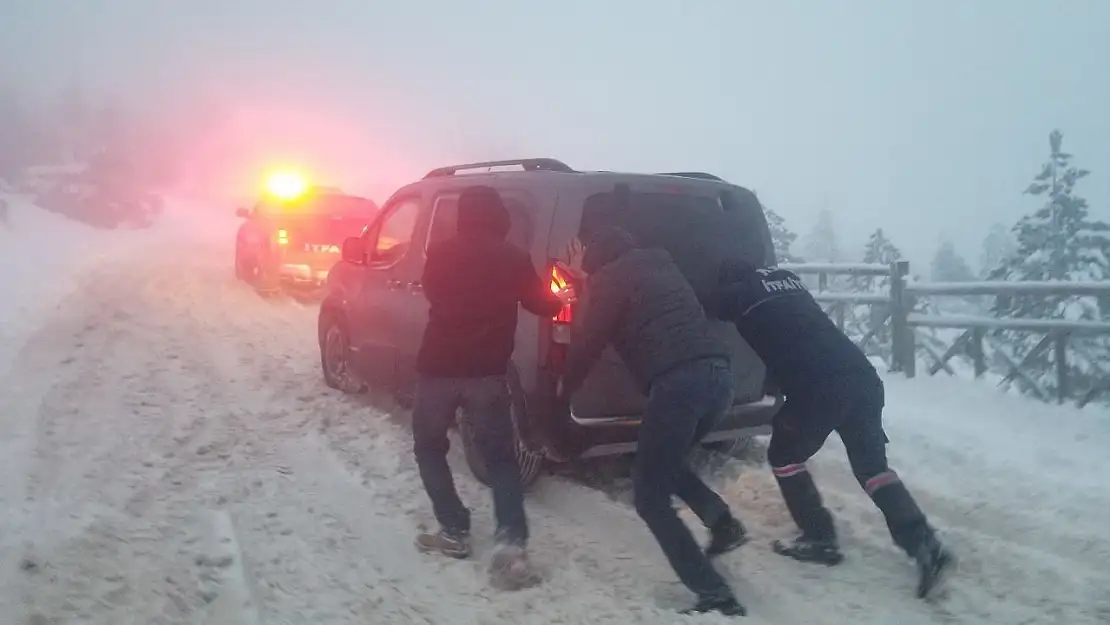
{"type": "Point", "coordinates": [1057, 242]}
{"type": "Point", "coordinates": [998, 246]}
{"type": "Point", "coordinates": [950, 266]}
{"type": "Point", "coordinates": [822, 244]}
{"type": "Point", "coordinates": [781, 236]}
{"type": "Point", "coordinates": [871, 319]}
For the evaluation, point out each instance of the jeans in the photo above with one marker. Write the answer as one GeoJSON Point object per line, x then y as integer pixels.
{"type": "Point", "coordinates": [486, 402]}
{"type": "Point", "coordinates": [683, 405]}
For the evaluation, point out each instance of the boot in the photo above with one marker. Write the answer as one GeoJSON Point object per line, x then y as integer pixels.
{"type": "Point", "coordinates": [907, 523]}
{"type": "Point", "coordinates": [725, 535]}
{"type": "Point", "coordinates": [453, 544]}
{"type": "Point", "coordinates": [803, 500]}
{"type": "Point", "coordinates": [727, 606]}
{"type": "Point", "coordinates": [934, 563]}
{"type": "Point", "coordinates": [806, 549]}
{"type": "Point", "coordinates": [510, 569]}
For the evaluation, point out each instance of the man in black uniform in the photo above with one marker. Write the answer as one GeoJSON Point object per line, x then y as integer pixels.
{"type": "Point", "coordinates": [830, 386]}
{"type": "Point", "coordinates": [641, 302]}
{"type": "Point", "coordinates": [474, 283]}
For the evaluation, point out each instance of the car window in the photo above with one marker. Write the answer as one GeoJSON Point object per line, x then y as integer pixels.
{"type": "Point", "coordinates": [445, 216]}
{"type": "Point", "coordinates": [395, 233]}
{"type": "Point", "coordinates": [697, 230]}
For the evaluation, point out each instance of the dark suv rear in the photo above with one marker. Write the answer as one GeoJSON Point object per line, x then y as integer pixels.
{"type": "Point", "coordinates": [373, 314]}
{"type": "Point", "coordinates": [295, 242]}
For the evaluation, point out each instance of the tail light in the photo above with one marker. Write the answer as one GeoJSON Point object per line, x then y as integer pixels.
{"type": "Point", "coordinates": [282, 237]}
{"type": "Point", "coordinates": [561, 279]}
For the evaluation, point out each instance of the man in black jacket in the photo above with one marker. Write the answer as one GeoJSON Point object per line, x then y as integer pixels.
{"type": "Point", "coordinates": [474, 283]}
{"type": "Point", "coordinates": [641, 302]}
{"type": "Point", "coordinates": [830, 385]}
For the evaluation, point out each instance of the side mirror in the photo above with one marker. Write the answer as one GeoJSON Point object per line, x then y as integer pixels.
{"type": "Point", "coordinates": [242, 212]}
{"type": "Point", "coordinates": [354, 251]}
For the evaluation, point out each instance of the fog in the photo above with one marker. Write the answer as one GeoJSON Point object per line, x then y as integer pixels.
{"type": "Point", "coordinates": [923, 118]}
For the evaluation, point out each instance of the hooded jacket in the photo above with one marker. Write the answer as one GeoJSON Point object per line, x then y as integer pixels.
{"type": "Point", "coordinates": [803, 349]}
{"type": "Point", "coordinates": [474, 282]}
{"type": "Point", "coordinates": [640, 302]}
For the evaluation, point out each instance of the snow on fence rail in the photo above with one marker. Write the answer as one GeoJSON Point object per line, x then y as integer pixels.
{"type": "Point", "coordinates": [896, 314]}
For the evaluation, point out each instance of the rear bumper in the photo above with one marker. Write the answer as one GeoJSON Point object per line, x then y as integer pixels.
{"type": "Point", "coordinates": [302, 273]}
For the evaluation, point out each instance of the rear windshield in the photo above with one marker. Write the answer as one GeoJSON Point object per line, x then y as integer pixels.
{"type": "Point", "coordinates": [699, 231]}
{"type": "Point", "coordinates": [323, 205]}
{"type": "Point", "coordinates": [446, 212]}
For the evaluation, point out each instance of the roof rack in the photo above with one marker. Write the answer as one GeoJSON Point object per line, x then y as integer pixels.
{"type": "Point", "coordinates": [693, 174]}
{"type": "Point", "coordinates": [529, 164]}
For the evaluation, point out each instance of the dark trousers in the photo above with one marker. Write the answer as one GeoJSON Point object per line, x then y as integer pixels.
{"type": "Point", "coordinates": [682, 407]}
{"type": "Point", "coordinates": [853, 409]}
{"type": "Point", "coordinates": [486, 402]}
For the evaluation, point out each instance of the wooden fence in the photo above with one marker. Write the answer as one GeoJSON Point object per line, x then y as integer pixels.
{"type": "Point", "coordinates": [894, 313]}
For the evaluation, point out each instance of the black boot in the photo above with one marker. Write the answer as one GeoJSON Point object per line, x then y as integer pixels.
{"type": "Point", "coordinates": [726, 535]}
{"type": "Point", "coordinates": [727, 606]}
{"type": "Point", "coordinates": [907, 523]}
{"type": "Point", "coordinates": [934, 563]}
{"type": "Point", "coordinates": [803, 500]}
{"type": "Point", "coordinates": [806, 549]}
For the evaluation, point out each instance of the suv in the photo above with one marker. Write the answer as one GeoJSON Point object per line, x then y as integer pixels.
{"type": "Point", "coordinates": [293, 242]}
{"type": "Point", "coordinates": [373, 314]}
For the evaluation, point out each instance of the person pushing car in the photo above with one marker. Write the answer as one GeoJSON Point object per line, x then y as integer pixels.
{"type": "Point", "coordinates": [474, 283]}
{"type": "Point", "coordinates": [830, 385]}
{"type": "Point", "coordinates": [641, 302]}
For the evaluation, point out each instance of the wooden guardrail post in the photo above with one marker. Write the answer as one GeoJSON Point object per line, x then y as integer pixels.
{"type": "Point", "coordinates": [1060, 349]}
{"type": "Point", "coordinates": [902, 348]}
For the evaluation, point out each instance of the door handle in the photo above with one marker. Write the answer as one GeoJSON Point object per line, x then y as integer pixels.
{"type": "Point", "coordinates": [393, 284]}
{"type": "Point", "coordinates": [415, 287]}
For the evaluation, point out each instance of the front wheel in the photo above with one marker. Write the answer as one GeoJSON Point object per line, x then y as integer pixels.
{"type": "Point", "coordinates": [335, 357]}
{"type": "Point", "coordinates": [529, 461]}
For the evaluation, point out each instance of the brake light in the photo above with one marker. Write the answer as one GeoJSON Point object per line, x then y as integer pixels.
{"type": "Point", "coordinates": [560, 281]}
{"type": "Point", "coordinates": [282, 237]}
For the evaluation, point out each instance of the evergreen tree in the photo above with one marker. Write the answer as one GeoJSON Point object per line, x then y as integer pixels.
{"type": "Point", "coordinates": [822, 245]}
{"type": "Point", "coordinates": [949, 265]}
{"type": "Point", "coordinates": [781, 236]}
{"type": "Point", "coordinates": [998, 246]}
{"type": "Point", "coordinates": [1059, 241]}
{"type": "Point", "coordinates": [873, 319]}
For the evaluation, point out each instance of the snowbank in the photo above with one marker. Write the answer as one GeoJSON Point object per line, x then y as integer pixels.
{"type": "Point", "coordinates": [43, 255]}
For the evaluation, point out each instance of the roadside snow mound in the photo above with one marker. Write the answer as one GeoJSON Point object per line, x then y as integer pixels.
{"type": "Point", "coordinates": [43, 256]}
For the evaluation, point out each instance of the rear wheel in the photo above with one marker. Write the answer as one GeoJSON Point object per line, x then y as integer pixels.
{"type": "Point", "coordinates": [335, 354]}
{"type": "Point", "coordinates": [530, 462]}
{"type": "Point", "coordinates": [242, 272]}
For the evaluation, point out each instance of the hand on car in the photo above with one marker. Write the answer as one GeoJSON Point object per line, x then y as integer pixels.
{"type": "Point", "coordinates": [567, 295]}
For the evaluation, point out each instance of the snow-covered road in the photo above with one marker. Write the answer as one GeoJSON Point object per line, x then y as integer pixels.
{"type": "Point", "coordinates": [168, 454]}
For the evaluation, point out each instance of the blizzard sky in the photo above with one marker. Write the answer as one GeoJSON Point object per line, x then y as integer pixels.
{"type": "Point", "coordinates": [922, 117]}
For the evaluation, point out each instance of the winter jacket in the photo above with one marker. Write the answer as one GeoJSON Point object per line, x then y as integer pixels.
{"type": "Point", "coordinates": [640, 302]}
{"type": "Point", "coordinates": [474, 282]}
{"type": "Point", "coordinates": [774, 312]}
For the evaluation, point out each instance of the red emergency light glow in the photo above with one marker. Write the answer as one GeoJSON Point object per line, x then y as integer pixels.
{"type": "Point", "coordinates": [560, 282]}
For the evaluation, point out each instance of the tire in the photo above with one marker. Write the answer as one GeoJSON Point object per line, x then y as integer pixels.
{"type": "Point", "coordinates": [334, 356]}
{"type": "Point", "coordinates": [240, 272]}
{"type": "Point", "coordinates": [530, 462]}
